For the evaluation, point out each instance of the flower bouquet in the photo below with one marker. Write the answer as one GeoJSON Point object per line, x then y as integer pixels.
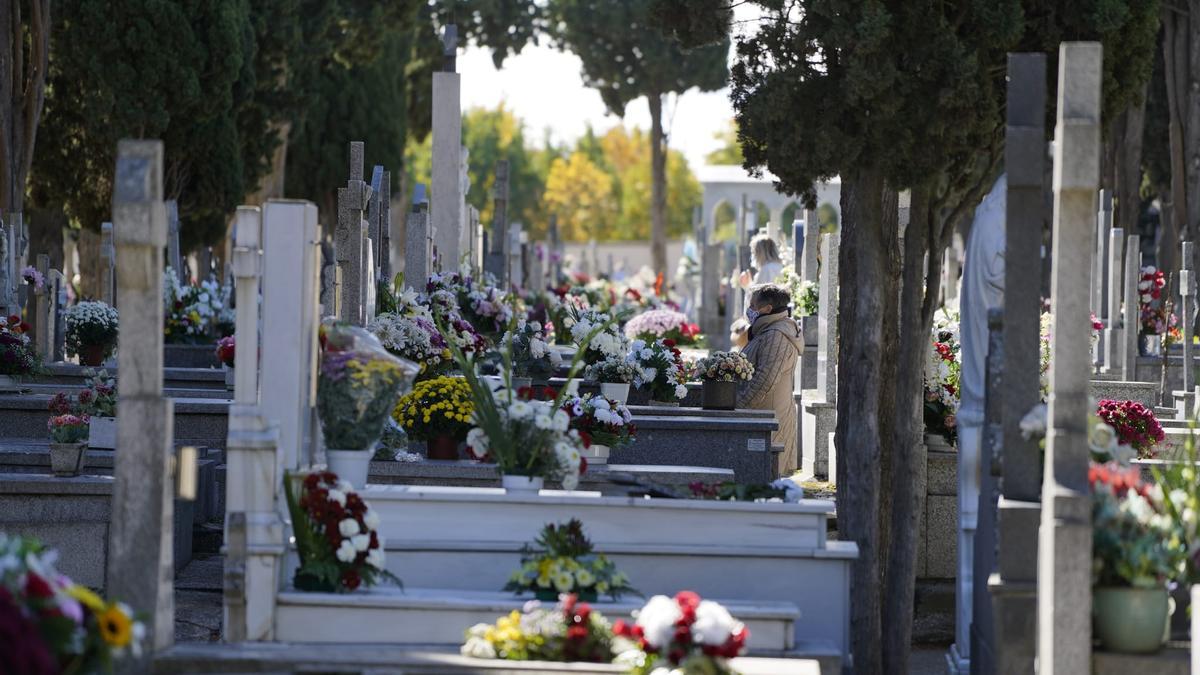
{"type": "Point", "coordinates": [357, 388]}
{"type": "Point", "coordinates": [193, 313]}
{"type": "Point", "coordinates": [91, 331]}
{"type": "Point", "coordinates": [783, 490]}
{"type": "Point", "coordinates": [532, 357]}
{"type": "Point", "coordinates": [805, 294]}
{"type": "Point", "coordinates": [614, 374]}
{"type": "Point", "coordinates": [607, 342]}
{"type": "Point", "coordinates": [563, 560]}
{"type": "Point", "coordinates": [684, 634]}
{"type": "Point", "coordinates": [568, 631]}
{"type": "Point", "coordinates": [1133, 557]}
{"type": "Point", "coordinates": [602, 423]}
{"type": "Point", "coordinates": [68, 436]}
{"type": "Point", "coordinates": [17, 355]}
{"type": "Point", "coordinates": [481, 305]}
{"type": "Point", "coordinates": [943, 371]}
{"type": "Point", "coordinates": [439, 412]}
{"type": "Point", "coordinates": [97, 403]}
{"type": "Point", "coordinates": [336, 534]}
{"type": "Point", "coordinates": [721, 373]}
{"type": "Point", "coordinates": [659, 370]}
{"type": "Point", "coordinates": [1134, 423]}
{"type": "Point", "coordinates": [51, 624]}
{"type": "Point", "coordinates": [663, 324]}
{"type": "Point", "coordinates": [410, 333]}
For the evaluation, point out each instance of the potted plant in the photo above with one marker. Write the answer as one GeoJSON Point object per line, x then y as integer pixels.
{"type": "Point", "coordinates": [660, 370]}
{"type": "Point", "coordinates": [437, 411]}
{"type": "Point", "coordinates": [67, 433]}
{"type": "Point", "coordinates": [603, 424]}
{"type": "Point", "coordinates": [1135, 425]}
{"type": "Point", "coordinates": [336, 534]}
{"type": "Point", "coordinates": [226, 353]}
{"type": "Point", "coordinates": [614, 374]}
{"type": "Point", "coordinates": [721, 372]}
{"type": "Point", "coordinates": [54, 625]}
{"type": "Point", "coordinates": [607, 341]}
{"type": "Point", "coordinates": [531, 355]}
{"type": "Point", "coordinates": [1155, 316]}
{"type": "Point", "coordinates": [411, 334]}
{"type": "Point", "coordinates": [570, 631]}
{"type": "Point", "coordinates": [479, 302]}
{"type": "Point", "coordinates": [91, 331]}
{"type": "Point", "coordinates": [357, 388]}
{"type": "Point", "coordinates": [684, 634]}
{"type": "Point", "coordinates": [663, 324]}
{"type": "Point", "coordinates": [1132, 560]}
{"type": "Point", "coordinates": [18, 358]}
{"type": "Point", "coordinates": [563, 560]}
{"type": "Point", "coordinates": [96, 402]}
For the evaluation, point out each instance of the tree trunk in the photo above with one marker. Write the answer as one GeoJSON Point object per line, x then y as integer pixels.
{"type": "Point", "coordinates": [1127, 164]}
{"type": "Point", "coordinates": [890, 215]}
{"type": "Point", "coordinates": [1191, 138]}
{"type": "Point", "coordinates": [865, 292]}
{"type": "Point", "coordinates": [89, 264]}
{"type": "Point", "coordinates": [658, 188]}
{"type": "Point", "coordinates": [1175, 49]}
{"type": "Point", "coordinates": [23, 61]}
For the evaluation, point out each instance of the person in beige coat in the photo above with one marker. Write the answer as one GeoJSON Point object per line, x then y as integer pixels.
{"type": "Point", "coordinates": [775, 344]}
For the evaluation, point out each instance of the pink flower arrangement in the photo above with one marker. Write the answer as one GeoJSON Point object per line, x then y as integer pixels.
{"type": "Point", "coordinates": [33, 277]}
{"type": "Point", "coordinates": [68, 428]}
{"type": "Point", "coordinates": [662, 324]}
{"type": "Point", "coordinates": [1134, 423]}
{"type": "Point", "coordinates": [1156, 316]}
{"type": "Point", "coordinates": [226, 349]}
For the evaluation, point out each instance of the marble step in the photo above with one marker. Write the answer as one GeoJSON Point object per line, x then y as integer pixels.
{"type": "Point", "coordinates": [439, 617]}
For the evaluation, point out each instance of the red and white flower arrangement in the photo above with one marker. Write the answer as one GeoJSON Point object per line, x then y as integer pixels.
{"type": "Point", "coordinates": [336, 534]}
{"type": "Point", "coordinates": [600, 420]}
{"type": "Point", "coordinates": [682, 634]}
{"type": "Point", "coordinates": [943, 372]}
{"type": "Point", "coordinates": [660, 369]}
{"type": "Point", "coordinates": [1135, 424]}
{"type": "Point", "coordinates": [1155, 314]}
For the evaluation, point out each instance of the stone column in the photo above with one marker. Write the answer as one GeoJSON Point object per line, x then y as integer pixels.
{"type": "Point", "coordinates": [58, 284]}
{"type": "Point", "coordinates": [820, 406]}
{"type": "Point", "coordinates": [515, 260]}
{"type": "Point", "coordinates": [254, 531]}
{"type": "Point", "coordinates": [556, 252]}
{"type": "Point", "coordinates": [952, 268]}
{"type": "Point", "coordinates": [1100, 290]}
{"type": "Point", "coordinates": [43, 339]}
{"type": "Point", "coordinates": [1014, 583]}
{"type": "Point", "coordinates": [447, 204]}
{"type": "Point", "coordinates": [1187, 315]}
{"type": "Point", "coordinates": [352, 199]}
{"type": "Point", "coordinates": [1065, 547]}
{"type": "Point", "coordinates": [494, 261]}
{"type": "Point", "coordinates": [983, 546]}
{"type": "Point", "coordinates": [108, 255]}
{"type": "Point", "coordinates": [174, 255]}
{"type": "Point", "coordinates": [417, 251]}
{"type": "Point", "coordinates": [289, 325]}
{"type": "Point", "coordinates": [141, 568]}
{"type": "Point", "coordinates": [8, 296]}
{"type": "Point", "coordinates": [1132, 312]}
{"type": "Point", "coordinates": [1114, 340]}
{"type": "Point", "coordinates": [385, 229]}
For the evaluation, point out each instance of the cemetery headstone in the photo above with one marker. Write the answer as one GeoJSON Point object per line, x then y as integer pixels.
{"type": "Point", "coordinates": [140, 565]}
{"type": "Point", "coordinates": [174, 255]}
{"type": "Point", "coordinates": [990, 450]}
{"type": "Point", "coordinates": [329, 279]}
{"type": "Point", "coordinates": [1014, 599]}
{"type": "Point", "coordinates": [418, 252]}
{"type": "Point", "coordinates": [556, 252]}
{"type": "Point", "coordinates": [385, 229]}
{"type": "Point", "coordinates": [58, 284]}
{"type": "Point", "coordinates": [1132, 309]}
{"type": "Point", "coordinates": [349, 244]}
{"type": "Point", "coordinates": [8, 296]}
{"type": "Point", "coordinates": [820, 408]}
{"type": "Point", "coordinates": [1114, 341]}
{"type": "Point", "coordinates": [1187, 317]}
{"type": "Point", "coordinates": [108, 261]}
{"type": "Point", "coordinates": [1065, 548]}
{"type": "Point", "coordinates": [43, 326]}
{"type": "Point", "coordinates": [494, 262]}
{"type": "Point", "coordinates": [446, 207]}
{"type": "Point", "coordinates": [374, 215]}
{"type": "Point", "coordinates": [1100, 290]}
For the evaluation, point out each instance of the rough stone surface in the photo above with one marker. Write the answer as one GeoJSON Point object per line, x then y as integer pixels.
{"type": "Point", "coordinates": [743, 445]}
{"type": "Point", "coordinates": [942, 472]}
{"type": "Point", "coordinates": [941, 515]}
{"type": "Point", "coordinates": [1145, 393]}
{"type": "Point", "coordinates": [820, 419]}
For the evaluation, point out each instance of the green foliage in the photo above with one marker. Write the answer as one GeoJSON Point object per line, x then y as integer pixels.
{"type": "Point", "coordinates": [730, 151]}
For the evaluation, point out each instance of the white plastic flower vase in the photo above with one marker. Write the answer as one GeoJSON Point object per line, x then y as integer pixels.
{"type": "Point", "coordinates": [617, 391]}
{"type": "Point", "coordinates": [597, 454]}
{"type": "Point", "coordinates": [528, 485]}
{"type": "Point", "coordinates": [350, 465]}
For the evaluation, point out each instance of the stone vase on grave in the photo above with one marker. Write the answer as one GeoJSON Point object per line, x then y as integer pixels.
{"type": "Point", "coordinates": [67, 459]}
{"type": "Point", "coordinates": [596, 454]}
{"type": "Point", "coordinates": [617, 391]}
{"type": "Point", "coordinates": [1131, 620]}
{"type": "Point", "coordinates": [1149, 344]}
{"type": "Point", "coordinates": [719, 395]}
{"type": "Point", "coordinates": [102, 433]}
{"type": "Point", "coordinates": [93, 355]}
{"type": "Point", "coordinates": [350, 465]}
{"type": "Point", "coordinates": [515, 484]}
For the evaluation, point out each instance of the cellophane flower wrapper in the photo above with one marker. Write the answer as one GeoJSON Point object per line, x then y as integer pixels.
{"type": "Point", "coordinates": [357, 387]}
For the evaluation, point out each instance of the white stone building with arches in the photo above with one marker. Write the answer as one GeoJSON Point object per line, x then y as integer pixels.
{"type": "Point", "coordinates": [728, 184]}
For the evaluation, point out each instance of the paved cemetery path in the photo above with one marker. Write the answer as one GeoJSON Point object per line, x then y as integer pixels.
{"type": "Point", "coordinates": [198, 600]}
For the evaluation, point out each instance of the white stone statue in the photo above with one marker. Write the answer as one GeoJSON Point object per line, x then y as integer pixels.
{"type": "Point", "coordinates": [982, 289]}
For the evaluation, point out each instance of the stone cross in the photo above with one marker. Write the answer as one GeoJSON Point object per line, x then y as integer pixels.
{"type": "Point", "coordinates": [827, 322]}
{"type": "Point", "coordinates": [1065, 547]}
{"type": "Point", "coordinates": [1114, 342]}
{"type": "Point", "coordinates": [174, 252]}
{"type": "Point", "coordinates": [141, 569]}
{"type": "Point", "coordinates": [374, 221]}
{"type": "Point", "coordinates": [446, 207]}
{"type": "Point", "coordinates": [1132, 321]}
{"type": "Point", "coordinates": [330, 280]}
{"type": "Point", "coordinates": [1100, 290]}
{"type": "Point", "coordinates": [418, 252]}
{"type": "Point", "coordinates": [351, 201]}
{"type": "Point", "coordinates": [108, 258]}
{"type": "Point", "coordinates": [291, 255]}
{"type": "Point", "coordinates": [385, 229]}
{"type": "Point", "coordinates": [43, 317]}
{"type": "Point", "coordinates": [1187, 314]}
{"type": "Point", "coordinates": [1012, 586]}
{"type": "Point", "coordinates": [254, 530]}
{"type": "Point", "coordinates": [494, 259]}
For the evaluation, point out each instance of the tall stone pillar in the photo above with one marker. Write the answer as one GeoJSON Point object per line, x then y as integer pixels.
{"type": "Point", "coordinates": [446, 206]}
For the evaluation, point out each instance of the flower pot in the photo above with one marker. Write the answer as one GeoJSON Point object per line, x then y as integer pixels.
{"type": "Point", "coordinates": [1149, 344]}
{"type": "Point", "coordinates": [230, 378]}
{"type": "Point", "coordinates": [1130, 620]}
{"type": "Point", "coordinates": [9, 385]}
{"type": "Point", "coordinates": [597, 454]}
{"type": "Point", "coordinates": [444, 446]}
{"type": "Point", "coordinates": [67, 459]}
{"type": "Point", "coordinates": [514, 484]}
{"type": "Point", "coordinates": [350, 465]}
{"type": "Point", "coordinates": [92, 355]}
{"type": "Point", "coordinates": [617, 391]}
{"type": "Point", "coordinates": [102, 433]}
{"type": "Point", "coordinates": [551, 595]}
{"type": "Point", "coordinates": [303, 581]}
{"type": "Point", "coordinates": [719, 395]}
{"type": "Point", "coordinates": [663, 404]}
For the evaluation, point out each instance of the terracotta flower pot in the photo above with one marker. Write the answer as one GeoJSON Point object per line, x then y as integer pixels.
{"type": "Point", "coordinates": [443, 446]}
{"type": "Point", "coordinates": [92, 355]}
{"type": "Point", "coordinates": [719, 395]}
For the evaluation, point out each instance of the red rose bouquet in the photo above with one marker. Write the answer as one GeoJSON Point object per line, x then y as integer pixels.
{"type": "Point", "coordinates": [1134, 423]}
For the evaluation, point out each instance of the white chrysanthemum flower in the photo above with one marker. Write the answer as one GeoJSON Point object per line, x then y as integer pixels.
{"type": "Point", "coordinates": [346, 552]}
{"type": "Point", "coordinates": [348, 527]}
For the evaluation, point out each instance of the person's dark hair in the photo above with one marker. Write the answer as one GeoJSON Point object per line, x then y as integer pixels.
{"type": "Point", "coordinates": [778, 296]}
